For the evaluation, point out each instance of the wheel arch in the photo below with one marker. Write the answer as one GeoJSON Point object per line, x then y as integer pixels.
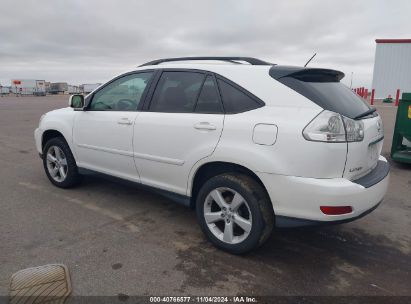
{"type": "Point", "coordinates": [49, 134]}
{"type": "Point", "coordinates": [53, 132]}
{"type": "Point", "coordinates": [214, 168]}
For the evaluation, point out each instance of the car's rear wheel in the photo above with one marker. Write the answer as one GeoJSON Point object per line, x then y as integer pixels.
{"type": "Point", "coordinates": [235, 212]}
{"type": "Point", "coordinates": [59, 163]}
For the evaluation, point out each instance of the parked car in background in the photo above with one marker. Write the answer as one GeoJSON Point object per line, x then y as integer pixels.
{"type": "Point", "coordinates": [248, 144]}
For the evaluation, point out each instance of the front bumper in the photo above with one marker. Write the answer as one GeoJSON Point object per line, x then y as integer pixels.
{"type": "Point", "coordinates": [38, 133]}
{"type": "Point", "coordinates": [297, 200]}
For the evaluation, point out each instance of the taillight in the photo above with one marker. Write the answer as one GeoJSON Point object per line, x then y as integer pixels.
{"type": "Point", "coordinates": [336, 210]}
{"type": "Point", "coordinates": [354, 129]}
{"type": "Point", "coordinates": [329, 126]}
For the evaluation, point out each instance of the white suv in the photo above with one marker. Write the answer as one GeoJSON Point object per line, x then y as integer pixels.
{"type": "Point", "coordinates": [248, 144]}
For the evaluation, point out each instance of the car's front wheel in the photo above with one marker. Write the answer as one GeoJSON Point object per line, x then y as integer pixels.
{"type": "Point", "coordinates": [59, 163]}
{"type": "Point", "coordinates": [235, 212]}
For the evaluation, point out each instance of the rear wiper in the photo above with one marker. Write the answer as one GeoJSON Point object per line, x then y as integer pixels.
{"type": "Point", "coordinates": [368, 112]}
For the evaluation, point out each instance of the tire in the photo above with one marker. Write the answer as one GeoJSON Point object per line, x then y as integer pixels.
{"type": "Point", "coordinates": [62, 159]}
{"type": "Point", "coordinates": [255, 213]}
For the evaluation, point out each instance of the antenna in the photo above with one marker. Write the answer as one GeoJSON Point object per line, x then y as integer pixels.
{"type": "Point", "coordinates": [310, 60]}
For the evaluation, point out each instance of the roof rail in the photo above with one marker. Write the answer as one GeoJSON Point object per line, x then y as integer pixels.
{"type": "Point", "coordinates": [250, 60]}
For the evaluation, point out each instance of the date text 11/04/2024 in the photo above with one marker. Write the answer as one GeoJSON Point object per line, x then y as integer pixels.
{"type": "Point", "coordinates": [203, 299]}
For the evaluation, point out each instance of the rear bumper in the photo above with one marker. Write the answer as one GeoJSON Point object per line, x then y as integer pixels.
{"type": "Point", "coordinates": [375, 176]}
{"type": "Point", "coordinates": [297, 200]}
{"type": "Point", "coordinates": [292, 222]}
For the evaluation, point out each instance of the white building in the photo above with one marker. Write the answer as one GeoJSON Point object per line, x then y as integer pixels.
{"type": "Point", "coordinates": [72, 89]}
{"type": "Point", "coordinates": [89, 87]}
{"type": "Point", "coordinates": [28, 86]}
{"type": "Point", "coordinates": [392, 67]}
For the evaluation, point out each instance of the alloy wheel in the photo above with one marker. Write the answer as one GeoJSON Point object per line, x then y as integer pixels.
{"type": "Point", "coordinates": [227, 215]}
{"type": "Point", "coordinates": [56, 163]}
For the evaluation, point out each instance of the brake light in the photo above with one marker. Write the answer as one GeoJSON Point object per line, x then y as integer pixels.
{"type": "Point", "coordinates": [333, 127]}
{"type": "Point", "coordinates": [336, 210]}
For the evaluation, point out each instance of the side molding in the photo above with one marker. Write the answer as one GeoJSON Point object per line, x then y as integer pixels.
{"type": "Point", "coordinates": [178, 198]}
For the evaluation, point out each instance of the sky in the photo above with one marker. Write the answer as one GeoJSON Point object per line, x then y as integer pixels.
{"type": "Point", "coordinates": [80, 41]}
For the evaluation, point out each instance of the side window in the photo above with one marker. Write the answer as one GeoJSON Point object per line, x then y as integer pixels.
{"type": "Point", "coordinates": [235, 101]}
{"type": "Point", "coordinates": [208, 101]}
{"type": "Point", "coordinates": [177, 92]}
{"type": "Point", "coordinates": [123, 94]}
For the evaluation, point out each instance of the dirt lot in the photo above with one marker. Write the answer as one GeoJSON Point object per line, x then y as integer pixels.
{"type": "Point", "coordinates": [117, 239]}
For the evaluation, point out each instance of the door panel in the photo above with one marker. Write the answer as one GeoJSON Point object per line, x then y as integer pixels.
{"type": "Point", "coordinates": [103, 133]}
{"type": "Point", "coordinates": [167, 145]}
{"type": "Point", "coordinates": [103, 142]}
{"type": "Point", "coordinates": [183, 125]}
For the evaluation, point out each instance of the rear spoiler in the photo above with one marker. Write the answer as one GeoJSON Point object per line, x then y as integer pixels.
{"type": "Point", "coordinates": [306, 74]}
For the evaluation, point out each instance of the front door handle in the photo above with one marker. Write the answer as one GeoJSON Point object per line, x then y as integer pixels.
{"type": "Point", "coordinates": [124, 121]}
{"type": "Point", "coordinates": [204, 126]}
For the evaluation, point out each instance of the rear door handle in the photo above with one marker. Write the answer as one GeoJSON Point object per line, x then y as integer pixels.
{"type": "Point", "coordinates": [204, 126]}
{"type": "Point", "coordinates": [124, 121]}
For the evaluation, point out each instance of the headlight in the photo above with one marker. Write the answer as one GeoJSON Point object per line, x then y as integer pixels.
{"type": "Point", "coordinates": [333, 127]}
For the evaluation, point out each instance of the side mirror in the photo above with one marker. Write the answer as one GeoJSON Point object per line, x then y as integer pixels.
{"type": "Point", "coordinates": [76, 101]}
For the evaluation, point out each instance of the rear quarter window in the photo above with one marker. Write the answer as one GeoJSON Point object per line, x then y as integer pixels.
{"type": "Point", "coordinates": [208, 101]}
{"type": "Point", "coordinates": [236, 99]}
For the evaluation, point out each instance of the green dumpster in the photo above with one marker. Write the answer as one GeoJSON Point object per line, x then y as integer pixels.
{"type": "Point", "coordinates": [401, 141]}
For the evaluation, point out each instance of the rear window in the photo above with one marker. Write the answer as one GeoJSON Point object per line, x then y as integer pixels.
{"type": "Point", "coordinates": [332, 96]}
{"type": "Point", "coordinates": [177, 92]}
